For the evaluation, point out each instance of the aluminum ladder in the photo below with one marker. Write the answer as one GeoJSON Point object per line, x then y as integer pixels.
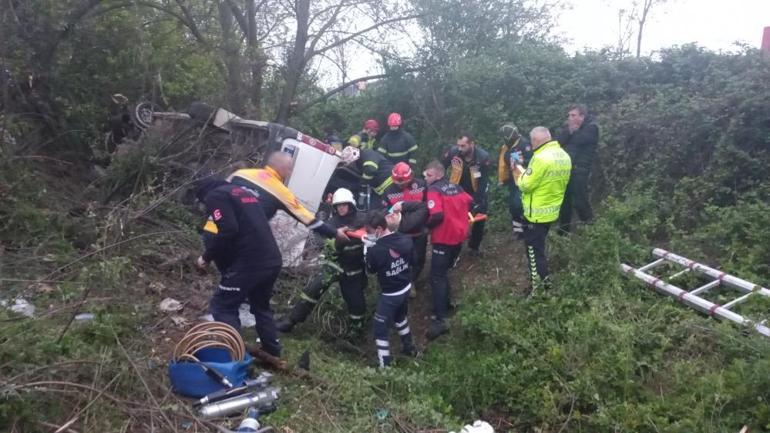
{"type": "Point", "coordinates": [692, 298]}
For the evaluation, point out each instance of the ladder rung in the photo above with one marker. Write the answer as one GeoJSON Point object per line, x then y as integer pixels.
{"type": "Point", "coordinates": [680, 273]}
{"type": "Point", "coordinates": [652, 265]}
{"type": "Point", "coordinates": [737, 301]}
{"type": "Point", "coordinates": [704, 288]}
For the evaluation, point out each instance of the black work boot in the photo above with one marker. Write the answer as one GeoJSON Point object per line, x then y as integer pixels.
{"type": "Point", "coordinates": [436, 329]}
{"type": "Point", "coordinates": [356, 329]}
{"type": "Point", "coordinates": [285, 325]}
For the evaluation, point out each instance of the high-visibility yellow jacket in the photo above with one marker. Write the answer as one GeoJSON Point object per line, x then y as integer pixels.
{"type": "Point", "coordinates": [362, 140]}
{"type": "Point", "coordinates": [544, 182]}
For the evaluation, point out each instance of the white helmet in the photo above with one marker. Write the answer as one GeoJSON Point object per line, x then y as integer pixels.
{"type": "Point", "coordinates": [350, 154]}
{"type": "Point", "coordinates": [343, 195]}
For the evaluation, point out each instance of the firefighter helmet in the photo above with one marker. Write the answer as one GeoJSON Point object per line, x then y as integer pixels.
{"type": "Point", "coordinates": [510, 131]}
{"type": "Point", "coordinates": [401, 172]}
{"type": "Point", "coordinates": [372, 125]}
{"type": "Point", "coordinates": [394, 119]}
{"type": "Point", "coordinates": [343, 195]}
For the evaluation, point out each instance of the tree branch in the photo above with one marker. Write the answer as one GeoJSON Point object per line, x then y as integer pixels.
{"type": "Point", "coordinates": [317, 37]}
{"type": "Point", "coordinates": [190, 23]}
{"type": "Point", "coordinates": [361, 32]}
{"type": "Point", "coordinates": [343, 86]}
{"type": "Point", "coordinates": [242, 23]}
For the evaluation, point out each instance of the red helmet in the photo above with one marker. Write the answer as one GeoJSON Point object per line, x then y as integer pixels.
{"type": "Point", "coordinates": [372, 124]}
{"type": "Point", "coordinates": [394, 119]}
{"type": "Point", "coordinates": [401, 172]}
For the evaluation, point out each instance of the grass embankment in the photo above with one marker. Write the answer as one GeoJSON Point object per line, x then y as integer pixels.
{"type": "Point", "coordinates": [598, 354]}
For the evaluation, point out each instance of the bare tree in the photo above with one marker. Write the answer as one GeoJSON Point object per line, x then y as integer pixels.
{"type": "Point", "coordinates": [326, 27]}
{"type": "Point", "coordinates": [641, 19]}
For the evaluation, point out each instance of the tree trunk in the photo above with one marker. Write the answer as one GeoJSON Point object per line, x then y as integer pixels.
{"type": "Point", "coordinates": [296, 63]}
{"type": "Point", "coordinates": [256, 59]}
{"type": "Point", "coordinates": [232, 59]}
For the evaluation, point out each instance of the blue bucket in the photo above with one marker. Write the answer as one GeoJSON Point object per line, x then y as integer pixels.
{"type": "Point", "coordinates": [189, 379]}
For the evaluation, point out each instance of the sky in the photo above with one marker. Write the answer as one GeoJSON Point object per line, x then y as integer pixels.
{"type": "Point", "coordinates": [593, 24]}
{"type": "Point", "coordinates": [714, 24]}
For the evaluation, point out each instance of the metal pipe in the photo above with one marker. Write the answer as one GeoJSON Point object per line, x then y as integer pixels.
{"type": "Point", "coordinates": [678, 274]}
{"type": "Point", "coordinates": [729, 280]}
{"type": "Point", "coordinates": [737, 301]}
{"type": "Point", "coordinates": [652, 265]}
{"type": "Point", "coordinates": [696, 302]}
{"type": "Point", "coordinates": [705, 288]}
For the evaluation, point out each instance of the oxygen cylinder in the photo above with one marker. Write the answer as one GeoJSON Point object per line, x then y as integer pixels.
{"type": "Point", "coordinates": [258, 399]}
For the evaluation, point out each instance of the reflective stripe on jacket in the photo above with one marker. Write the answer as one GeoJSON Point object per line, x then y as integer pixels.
{"type": "Point", "coordinates": [398, 146]}
{"type": "Point", "coordinates": [544, 182]}
{"type": "Point", "coordinates": [362, 140]}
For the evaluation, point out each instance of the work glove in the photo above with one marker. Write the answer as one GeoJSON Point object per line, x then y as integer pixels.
{"type": "Point", "coordinates": [368, 241]}
{"type": "Point", "coordinates": [516, 158]}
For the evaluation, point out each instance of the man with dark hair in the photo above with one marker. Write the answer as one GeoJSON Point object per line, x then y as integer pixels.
{"type": "Point", "coordinates": [239, 241]}
{"type": "Point", "coordinates": [389, 255]}
{"type": "Point", "coordinates": [580, 139]}
{"type": "Point", "coordinates": [448, 207]}
{"type": "Point", "coordinates": [470, 169]}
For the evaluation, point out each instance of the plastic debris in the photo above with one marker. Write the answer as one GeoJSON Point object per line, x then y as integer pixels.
{"type": "Point", "coordinates": [179, 321]}
{"type": "Point", "coordinates": [170, 305]}
{"type": "Point", "coordinates": [84, 317]}
{"type": "Point", "coordinates": [247, 319]}
{"type": "Point", "coordinates": [20, 306]}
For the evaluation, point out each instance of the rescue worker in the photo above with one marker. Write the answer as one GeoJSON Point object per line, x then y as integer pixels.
{"type": "Point", "coordinates": [515, 149]}
{"type": "Point", "coordinates": [579, 139]}
{"type": "Point", "coordinates": [470, 169]}
{"type": "Point", "coordinates": [543, 184]}
{"type": "Point", "coordinates": [268, 182]}
{"type": "Point", "coordinates": [375, 171]}
{"type": "Point", "coordinates": [411, 192]}
{"type": "Point", "coordinates": [332, 139]}
{"type": "Point", "coordinates": [367, 137]}
{"type": "Point", "coordinates": [344, 265]}
{"type": "Point", "coordinates": [389, 255]}
{"type": "Point", "coordinates": [448, 207]}
{"type": "Point", "coordinates": [398, 145]}
{"type": "Point", "coordinates": [239, 241]}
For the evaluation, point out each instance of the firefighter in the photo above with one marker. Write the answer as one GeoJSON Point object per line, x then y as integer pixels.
{"type": "Point", "coordinates": [239, 241]}
{"type": "Point", "coordinates": [367, 137]}
{"type": "Point", "coordinates": [389, 256]}
{"type": "Point", "coordinates": [448, 207]}
{"type": "Point", "coordinates": [268, 183]}
{"type": "Point", "coordinates": [543, 184]}
{"type": "Point", "coordinates": [470, 169]}
{"type": "Point", "coordinates": [398, 145]}
{"type": "Point", "coordinates": [410, 192]}
{"type": "Point", "coordinates": [375, 171]}
{"type": "Point", "coordinates": [515, 149]}
{"type": "Point", "coordinates": [344, 265]}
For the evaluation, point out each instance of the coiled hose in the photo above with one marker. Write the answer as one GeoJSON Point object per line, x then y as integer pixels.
{"type": "Point", "coordinates": [210, 334]}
